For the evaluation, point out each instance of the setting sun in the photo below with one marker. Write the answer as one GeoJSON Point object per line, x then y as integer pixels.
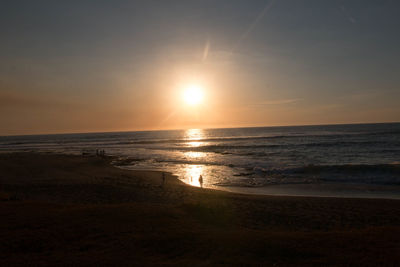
{"type": "Point", "coordinates": [193, 95]}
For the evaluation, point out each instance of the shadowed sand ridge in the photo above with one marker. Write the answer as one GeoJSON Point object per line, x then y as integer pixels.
{"type": "Point", "coordinates": [71, 210]}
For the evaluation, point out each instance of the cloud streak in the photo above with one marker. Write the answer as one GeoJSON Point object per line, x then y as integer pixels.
{"type": "Point", "coordinates": [253, 25]}
{"type": "Point", "coordinates": [278, 102]}
{"type": "Point", "coordinates": [350, 18]}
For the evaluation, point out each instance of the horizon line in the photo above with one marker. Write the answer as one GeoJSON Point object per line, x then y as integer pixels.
{"type": "Point", "coordinates": [205, 128]}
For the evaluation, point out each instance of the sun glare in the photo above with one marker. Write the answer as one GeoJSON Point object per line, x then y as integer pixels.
{"type": "Point", "coordinates": [193, 95]}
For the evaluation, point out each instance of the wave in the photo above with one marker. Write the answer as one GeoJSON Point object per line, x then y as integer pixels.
{"type": "Point", "coordinates": [348, 168]}
{"type": "Point", "coordinates": [166, 141]}
{"type": "Point", "coordinates": [119, 139]}
{"type": "Point", "coordinates": [233, 149]}
{"type": "Point", "coordinates": [252, 138]}
{"type": "Point", "coordinates": [384, 174]}
{"type": "Point", "coordinates": [349, 173]}
{"type": "Point", "coordinates": [128, 161]}
{"type": "Point", "coordinates": [364, 173]}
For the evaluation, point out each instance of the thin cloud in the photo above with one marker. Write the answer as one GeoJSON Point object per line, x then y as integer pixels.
{"type": "Point", "coordinates": [253, 25]}
{"type": "Point", "coordinates": [9, 100]}
{"type": "Point", "coordinates": [279, 102]}
{"type": "Point", "coordinates": [206, 49]}
{"type": "Point", "coordinates": [350, 18]}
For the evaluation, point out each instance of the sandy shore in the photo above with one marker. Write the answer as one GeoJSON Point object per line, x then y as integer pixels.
{"type": "Point", "coordinates": [72, 210]}
{"type": "Point", "coordinates": [337, 190]}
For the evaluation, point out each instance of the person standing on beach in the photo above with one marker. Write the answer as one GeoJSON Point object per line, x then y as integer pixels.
{"type": "Point", "coordinates": [163, 179]}
{"type": "Point", "coordinates": [201, 181]}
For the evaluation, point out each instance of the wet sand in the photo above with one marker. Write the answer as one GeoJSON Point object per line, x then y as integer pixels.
{"type": "Point", "coordinates": [72, 210]}
{"type": "Point", "coordinates": [337, 190]}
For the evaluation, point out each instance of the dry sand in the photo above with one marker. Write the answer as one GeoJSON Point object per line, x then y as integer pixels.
{"type": "Point", "coordinates": [71, 210]}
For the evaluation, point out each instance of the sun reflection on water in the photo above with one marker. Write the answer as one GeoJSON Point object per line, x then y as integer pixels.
{"type": "Point", "coordinates": [194, 155]}
{"type": "Point", "coordinates": [195, 143]}
{"type": "Point", "coordinates": [192, 173]}
{"type": "Point", "coordinates": [194, 134]}
{"type": "Point", "coordinates": [194, 137]}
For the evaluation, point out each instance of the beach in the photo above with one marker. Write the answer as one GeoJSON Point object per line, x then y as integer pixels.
{"type": "Point", "coordinates": [74, 210]}
{"type": "Point", "coordinates": [337, 160]}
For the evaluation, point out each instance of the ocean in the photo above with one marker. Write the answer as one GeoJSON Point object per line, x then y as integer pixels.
{"type": "Point", "coordinates": [356, 154]}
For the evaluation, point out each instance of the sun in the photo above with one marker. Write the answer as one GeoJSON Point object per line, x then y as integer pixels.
{"type": "Point", "coordinates": [193, 95]}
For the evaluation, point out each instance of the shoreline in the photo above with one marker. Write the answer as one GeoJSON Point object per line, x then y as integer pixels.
{"type": "Point", "coordinates": [317, 190]}
{"type": "Point", "coordinates": [236, 190]}
{"type": "Point", "coordinates": [325, 189]}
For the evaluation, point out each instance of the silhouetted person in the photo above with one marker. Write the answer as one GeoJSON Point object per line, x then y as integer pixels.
{"type": "Point", "coordinates": [163, 179]}
{"type": "Point", "coordinates": [201, 181]}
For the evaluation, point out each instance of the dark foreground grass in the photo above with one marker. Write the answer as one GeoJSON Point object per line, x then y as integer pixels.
{"type": "Point", "coordinates": [69, 211]}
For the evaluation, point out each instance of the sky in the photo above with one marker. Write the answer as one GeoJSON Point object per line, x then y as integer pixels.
{"type": "Point", "coordinates": [96, 66]}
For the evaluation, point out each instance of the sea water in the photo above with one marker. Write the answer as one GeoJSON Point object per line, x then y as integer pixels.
{"type": "Point", "coordinates": [360, 154]}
